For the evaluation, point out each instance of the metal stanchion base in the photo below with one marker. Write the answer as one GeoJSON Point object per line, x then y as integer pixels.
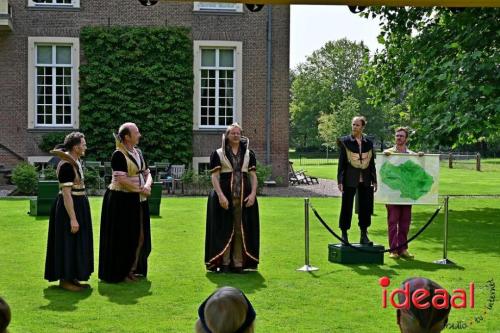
{"type": "Point", "coordinates": [444, 262]}
{"type": "Point", "coordinates": [307, 268]}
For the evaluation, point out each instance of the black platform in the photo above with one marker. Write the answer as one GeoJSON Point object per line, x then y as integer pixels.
{"type": "Point", "coordinates": [343, 254]}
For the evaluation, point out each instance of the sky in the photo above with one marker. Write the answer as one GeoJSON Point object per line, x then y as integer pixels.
{"type": "Point", "coordinates": [312, 26]}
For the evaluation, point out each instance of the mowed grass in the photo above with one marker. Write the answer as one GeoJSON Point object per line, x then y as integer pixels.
{"type": "Point", "coordinates": [456, 181]}
{"type": "Point", "coordinates": [337, 298]}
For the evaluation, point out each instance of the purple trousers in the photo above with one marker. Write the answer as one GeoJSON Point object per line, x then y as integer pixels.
{"type": "Point", "coordinates": [398, 223]}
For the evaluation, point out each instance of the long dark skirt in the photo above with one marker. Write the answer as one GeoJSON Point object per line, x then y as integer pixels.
{"type": "Point", "coordinates": [69, 256]}
{"type": "Point", "coordinates": [219, 229]}
{"type": "Point", "coordinates": [120, 231]}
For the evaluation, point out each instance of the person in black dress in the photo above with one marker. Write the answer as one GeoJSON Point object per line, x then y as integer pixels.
{"type": "Point", "coordinates": [232, 224]}
{"type": "Point", "coordinates": [125, 242]}
{"type": "Point", "coordinates": [356, 173]}
{"type": "Point", "coordinates": [70, 250]}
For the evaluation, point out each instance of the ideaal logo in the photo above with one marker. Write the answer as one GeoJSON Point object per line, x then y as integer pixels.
{"type": "Point", "coordinates": [440, 300]}
{"type": "Point", "coordinates": [459, 298]}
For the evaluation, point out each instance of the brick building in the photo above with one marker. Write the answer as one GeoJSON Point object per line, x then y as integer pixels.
{"type": "Point", "coordinates": [40, 54]}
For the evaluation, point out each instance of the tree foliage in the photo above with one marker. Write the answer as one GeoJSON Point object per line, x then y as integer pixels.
{"type": "Point", "coordinates": [333, 125]}
{"type": "Point", "coordinates": [320, 85]}
{"type": "Point", "coordinates": [143, 75]}
{"type": "Point", "coordinates": [440, 72]}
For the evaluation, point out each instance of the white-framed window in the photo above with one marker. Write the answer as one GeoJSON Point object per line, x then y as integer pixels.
{"type": "Point", "coordinates": [53, 82]}
{"type": "Point", "coordinates": [218, 7]}
{"type": "Point", "coordinates": [54, 3]}
{"type": "Point", "coordinates": [201, 164]}
{"type": "Point", "coordinates": [217, 91]}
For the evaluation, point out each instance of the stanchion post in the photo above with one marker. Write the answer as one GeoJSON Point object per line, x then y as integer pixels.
{"type": "Point", "coordinates": [306, 267]}
{"type": "Point", "coordinates": [445, 260]}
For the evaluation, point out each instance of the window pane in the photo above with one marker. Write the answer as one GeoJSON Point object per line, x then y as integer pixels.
{"type": "Point", "coordinates": [226, 58]}
{"type": "Point", "coordinates": [208, 57]}
{"type": "Point", "coordinates": [44, 54]}
{"type": "Point", "coordinates": [63, 55]}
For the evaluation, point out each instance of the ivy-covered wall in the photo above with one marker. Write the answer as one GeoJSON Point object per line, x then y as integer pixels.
{"type": "Point", "coordinates": [138, 74]}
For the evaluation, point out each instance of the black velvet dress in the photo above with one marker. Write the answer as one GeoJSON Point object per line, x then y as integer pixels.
{"type": "Point", "coordinates": [69, 256]}
{"type": "Point", "coordinates": [219, 221]}
{"type": "Point", "coordinates": [120, 230]}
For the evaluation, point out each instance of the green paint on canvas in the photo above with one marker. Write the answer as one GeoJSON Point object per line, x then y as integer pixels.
{"type": "Point", "coordinates": [409, 178]}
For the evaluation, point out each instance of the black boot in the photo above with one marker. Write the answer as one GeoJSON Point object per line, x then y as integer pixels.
{"type": "Point", "coordinates": [364, 238]}
{"type": "Point", "coordinates": [344, 237]}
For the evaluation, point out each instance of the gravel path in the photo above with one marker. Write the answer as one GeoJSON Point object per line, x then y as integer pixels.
{"type": "Point", "coordinates": [5, 190]}
{"type": "Point", "coordinates": [325, 188]}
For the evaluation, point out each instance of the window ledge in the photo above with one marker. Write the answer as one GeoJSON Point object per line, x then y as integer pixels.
{"type": "Point", "coordinates": [209, 130]}
{"type": "Point", "coordinates": [51, 129]}
{"type": "Point", "coordinates": [54, 8]}
{"type": "Point", "coordinates": [217, 12]}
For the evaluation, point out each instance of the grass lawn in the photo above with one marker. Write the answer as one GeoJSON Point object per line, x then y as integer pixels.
{"type": "Point", "coordinates": [337, 298]}
{"type": "Point", "coordinates": [451, 181]}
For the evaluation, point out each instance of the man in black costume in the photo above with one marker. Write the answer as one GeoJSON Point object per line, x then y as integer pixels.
{"type": "Point", "coordinates": [232, 230]}
{"type": "Point", "coordinates": [70, 250]}
{"type": "Point", "coordinates": [356, 173]}
{"type": "Point", "coordinates": [125, 242]}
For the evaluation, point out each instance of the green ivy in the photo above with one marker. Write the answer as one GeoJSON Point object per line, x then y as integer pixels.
{"type": "Point", "coordinates": [143, 75]}
{"type": "Point", "coordinates": [50, 140]}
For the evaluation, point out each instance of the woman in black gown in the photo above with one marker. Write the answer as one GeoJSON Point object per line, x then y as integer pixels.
{"type": "Point", "coordinates": [70, 257]}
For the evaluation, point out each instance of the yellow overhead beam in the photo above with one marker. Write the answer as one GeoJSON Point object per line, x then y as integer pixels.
{"type": "Point", "coordinates": [395, 3]}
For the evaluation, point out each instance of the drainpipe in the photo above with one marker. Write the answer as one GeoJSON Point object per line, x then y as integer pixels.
{"type": "Point", "coordinates": [268, 82]}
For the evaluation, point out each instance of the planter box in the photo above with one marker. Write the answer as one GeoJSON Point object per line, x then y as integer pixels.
{"type": "Point", "coordinates": [47, 193]}
{"type": "Point", "coordinates": [155, 199]}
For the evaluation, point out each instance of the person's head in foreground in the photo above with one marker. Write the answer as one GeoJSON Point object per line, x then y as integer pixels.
{"type": "Point", "coordinates": [429, 320]}
{"type": "Point", "coordinates": [227, 310]}
{"type": "Point", "coordinates": [4, 315]}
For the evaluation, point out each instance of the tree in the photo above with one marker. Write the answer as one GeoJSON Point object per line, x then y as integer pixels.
{"type": "Point", "coordinates": [320, 84]}
{"type": "Point", "coordinates": [439, 71]}
{"type": "Point", "coordinates": [331, 126]}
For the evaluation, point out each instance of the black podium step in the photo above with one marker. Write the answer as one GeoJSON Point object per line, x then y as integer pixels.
{"type": "Point", "coordinates": [343, 254]}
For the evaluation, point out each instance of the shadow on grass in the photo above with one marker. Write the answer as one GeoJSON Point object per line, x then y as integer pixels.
{"type": "Point", "coordinates": [63, 300]}
{"type": "Point", "coordinates": [125, 293]}
{"type": "Point", "coordinates": [249, 282]}
{"type": "Point", "coordinates": [471, 230]}
{"type": "Point", "coordinates": [423, 265]}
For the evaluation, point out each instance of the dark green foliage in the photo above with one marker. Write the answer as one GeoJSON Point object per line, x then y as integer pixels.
{"type": "Point", "coordinates": [91, 179]}
{"type": "Point", "coordinates": [263, 173]}
{"type": "Point", "coordinates": [439, 73]}
{"type": "Point", "coordinates": [49, 173]}
{"type": "Point", "coordinates": [142, 75]}
{"type": "Point", "coordinates": [25, 177]}
{"type": "Point", "coordinates": [50, 140]}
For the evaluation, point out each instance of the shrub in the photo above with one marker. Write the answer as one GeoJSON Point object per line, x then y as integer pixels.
{"type": "Point", "coordinates": [25, 177]}
{"type": "Point", "coordinates": [49, 173]}
{"type": "Point", "coordinates": [91, 178]}
{"type": "Point", "coordinates": [263, 173]}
